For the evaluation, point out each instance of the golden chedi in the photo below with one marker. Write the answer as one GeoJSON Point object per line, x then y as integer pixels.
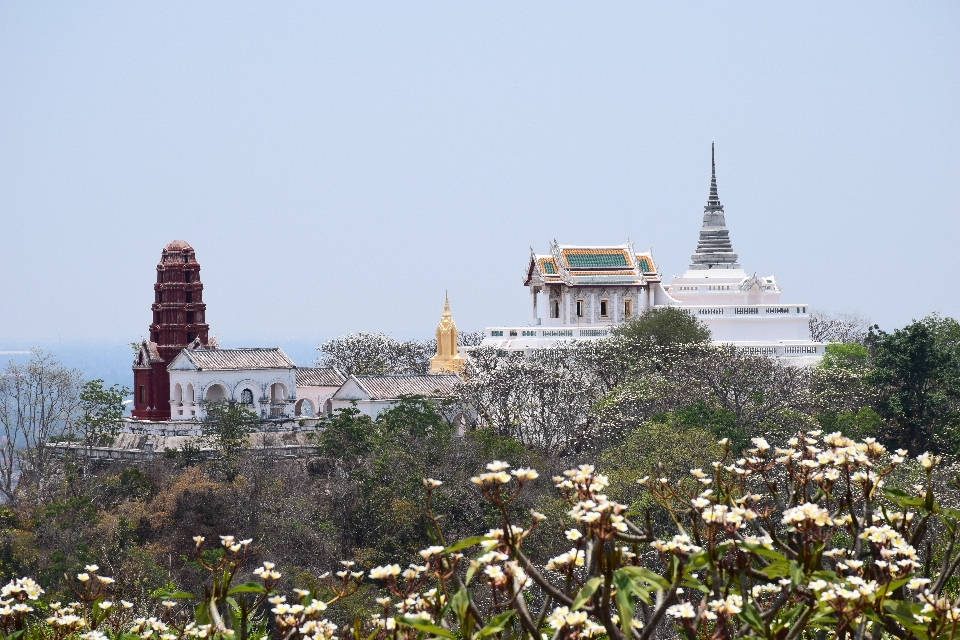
{"type": "Point", "coordinates": [447, 359]}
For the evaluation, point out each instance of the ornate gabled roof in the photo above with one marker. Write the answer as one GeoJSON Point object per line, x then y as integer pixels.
{"type": "Point", "coordinates": [320, 377]}
{"type": "Point", "coordinates": [590, 265]}
{"type": "Point", "coordinates": [768, 283]}
{"type": "Point", "coordinates": [147, 354]}
{"type": "Point", "coordinates": [392, 387]}
{"type": "Point", "coordinates": [714, 249]}
{"type": "Point", "coordinates": [234, 359]}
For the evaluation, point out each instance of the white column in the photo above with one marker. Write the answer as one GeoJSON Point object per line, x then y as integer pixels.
{"type": "Point", "coordinates": [533, 294]}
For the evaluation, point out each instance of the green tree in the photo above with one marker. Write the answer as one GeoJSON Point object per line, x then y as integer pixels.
{"type": "Point", "coordinates": [662, 327]}
{"type": "Point", "coordinates": [100, 413]}
{"type": "Point", "coordinates": [226, 427]}
{"type": "Point", "coordinates": [916, 373]}
{"type": "Point", "coordinates": [844, 355]}
{"type": "Point", "coordinates": [347, 435]}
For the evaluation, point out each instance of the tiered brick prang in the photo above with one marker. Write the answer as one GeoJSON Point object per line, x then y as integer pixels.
{"type": "Point", "coordinates": [179, 320]}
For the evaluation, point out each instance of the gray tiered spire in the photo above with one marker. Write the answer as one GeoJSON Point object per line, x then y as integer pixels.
{"type": "Point", "coordinates": [714, 250]}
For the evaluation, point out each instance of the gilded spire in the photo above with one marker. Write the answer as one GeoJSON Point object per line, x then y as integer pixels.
{"type": "Point", "coordinates": [447, 358]}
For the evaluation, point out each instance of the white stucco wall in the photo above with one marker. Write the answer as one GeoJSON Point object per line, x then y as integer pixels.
{"type": "Point", "coordinates": [273, 390]}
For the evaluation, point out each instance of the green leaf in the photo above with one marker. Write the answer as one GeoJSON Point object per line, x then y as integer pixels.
{"type": "Point", "coordinates": [796, 574]}
{"type": "Point", "coordinates": [466, 542]}
{"type": "Point", "coordinates": [422, 625]}
{"type": "Point", "coordinates": [761, 550]}
{"type": "Point", "coordinates": [904, 612]}
{"type": "Point", "coordinates": [588, 590]}
{"type": "Point", "coordinates": [953, 514]}
{"type": "Point", "coordinates": [497, 624]}
{"type": "Point", "coordinates": [248, 587]}
{"type": "Point", "coordinates": [901, 497]}
{"type": "Point", "coordinates": [776, 569]}
{"type": "Point", "coordinates": [173, 595]}
{"type": "Point", "coordinates": [624, 602]}
{"type": "Point", "coordinates": [459, 604]}
{"type": "Point", "coordinates": [751, 616]}
{"type": "Point", "coordinates": [648, 576]}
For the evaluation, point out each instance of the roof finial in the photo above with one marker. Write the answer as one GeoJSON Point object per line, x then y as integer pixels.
{"type": "Point", "coordinates": [714, 198]}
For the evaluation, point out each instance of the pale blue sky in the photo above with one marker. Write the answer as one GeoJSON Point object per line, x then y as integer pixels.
{"type": "Point", "coordinates": [337, 166]}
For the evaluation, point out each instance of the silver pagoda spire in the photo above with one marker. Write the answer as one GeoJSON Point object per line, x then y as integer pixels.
{"type": "Point", "coordinates": [714, 250]}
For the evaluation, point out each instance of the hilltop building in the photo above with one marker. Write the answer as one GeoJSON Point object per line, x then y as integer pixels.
{"type": "Point", "coordinates": [737, 307]}
{"type": "Point", "coordinates": [179, 320]}
{"type": "Point", "coordinates": [263, 380]}
{"type": "Point", "coordinates": [179, 368]}
{"type": "Point", "coordinates": [588, 290]}
{"type": "Point", "coordinates": [315, 387]}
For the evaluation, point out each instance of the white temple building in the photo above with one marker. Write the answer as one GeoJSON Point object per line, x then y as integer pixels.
{"type": "Point", "coordinates": [264, 380]}
{"type": "Point", "coordinates": [586, 290]}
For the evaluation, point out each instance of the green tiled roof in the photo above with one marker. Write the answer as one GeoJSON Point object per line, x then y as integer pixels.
{"type": "Point", "coordinates": [548, 266]}
{"type": "Point", "coordinates": [594, 260]}
{"type": "Point", "coordinates": [644, 265]}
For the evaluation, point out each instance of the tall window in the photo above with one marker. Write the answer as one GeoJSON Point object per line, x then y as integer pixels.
{"type": "Point", "coordinates": [246, 396]}
{"type": "Point", "coordinates": [190, 317]}
{"type": "Point", "coordinates": [603, 308]}
{"type": "Point", "coordinates": [555, 309]}
{"type": "Point", "coordinates": [191, 336]}
{"type": "Point", "coordinates": [189, 296]}
{"type": "Point", "coordinates": [627, 308]}
{"type": "Point", "coordinates": [142, 394]}
{"type": "Point", "coordinates": [579, 308]}
{"type": "Point", "coordinates": [186, 276]}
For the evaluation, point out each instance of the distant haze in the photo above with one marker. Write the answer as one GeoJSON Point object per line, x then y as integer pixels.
{"type": "Point", "coordinates": [337, 166]}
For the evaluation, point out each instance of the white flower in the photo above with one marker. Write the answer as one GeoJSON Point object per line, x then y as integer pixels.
{"type": "Point", "coordinates": [805, 515]}
{"type": "Point", "coordinates": [558, 617]}
{"type": "Point", "coordinates": [927, 460]}
{"type": "Point", "coordinates": [497, 466]}
{"type": "Point", "coordinates": [683, 610]}
{"type": "Point", "coordinates": [384, 572]}
{"type": "Point", "coordinates": [573, 534]}
{"type": "Point", "coordinates": [523, 475]}
{"type": "Point", "coordinates": [431, 551]}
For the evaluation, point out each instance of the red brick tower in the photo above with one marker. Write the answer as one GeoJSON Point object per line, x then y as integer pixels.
{"type": "Point", "coordinates": [179, 320]}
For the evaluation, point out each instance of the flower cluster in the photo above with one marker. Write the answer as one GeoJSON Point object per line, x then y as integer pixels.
{"type": "Point", "coordinates": [577, 622]}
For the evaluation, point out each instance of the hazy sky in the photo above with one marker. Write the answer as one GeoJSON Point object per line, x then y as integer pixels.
{"type": "Point", "coordinates": [337, 166]}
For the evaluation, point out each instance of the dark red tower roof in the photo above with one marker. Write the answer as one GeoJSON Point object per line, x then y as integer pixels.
{"type": "Point", "coordinates": [179, 320]}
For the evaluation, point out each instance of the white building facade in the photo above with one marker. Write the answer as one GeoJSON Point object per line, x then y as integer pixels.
{"type": "Point", "coordinates": [580, 292]}
{"type": "Point", "coordinates": [373, 394]}
{"type": "Point", "coordinates": [315, 387]}
{"type": "Point", "coordinates": [263, 380]}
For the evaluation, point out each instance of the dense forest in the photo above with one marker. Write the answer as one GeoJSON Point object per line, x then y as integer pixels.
{"type": "Point", "coordinates": [697, 490]}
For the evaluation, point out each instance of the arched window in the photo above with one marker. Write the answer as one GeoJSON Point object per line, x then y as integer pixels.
{"type": "Point", "coordinates": [246, 396]}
